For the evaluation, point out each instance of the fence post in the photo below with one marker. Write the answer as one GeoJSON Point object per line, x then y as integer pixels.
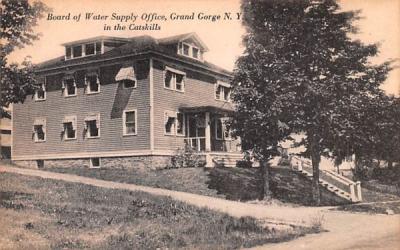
{"type": "Point", "coordinates": [359, 193]}
{"type": "Point", "coordinates": [209, 162]}
{"type": "Point", "coordinates": [352, 192]}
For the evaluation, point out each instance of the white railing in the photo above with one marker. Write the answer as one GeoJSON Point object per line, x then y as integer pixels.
{"type": "Point", "coordinates": [336, 180]}
{"type": "Point", "coordinates": [196, 143]}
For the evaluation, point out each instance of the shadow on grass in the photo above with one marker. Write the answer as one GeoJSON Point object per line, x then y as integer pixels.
{"type": "Point", "coordinates": [286, 186]}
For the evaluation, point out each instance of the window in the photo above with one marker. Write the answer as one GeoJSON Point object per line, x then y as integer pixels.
{"type": "Point", "coordinates": [92, 83]}
{"type": "Point", "coordinates": [77, 51]}
{"type": "Point", "coordinates": [69, 87]}
{"type": "Point", "coordinates": [40, 163]}
{"type": "Point", "coordinates": [169, 120]}
{"type": "Point", "coordinates": [40, 93]}
{"type": "Point", "coordinates": [189, 50]}
{"type": "Point", "coordinates": [39, 130]}
{"type": "Point", "coordinates": [174, 79]}
{"type": "Point", "coordinates": [222, 91]}
{"type": "Point", "coordinates": [129, 120]}
{"type": "Point", "coordinates": [98, 48]}
{"type": "Point", "coordinates": [127, 76]}
{"type": "Point", "coordinates": [69, 127]}
{"type": "Point", "coordinates": [89, 49]}
{"type": "Point", "coordinates": [94, 163]}
{"type": "Point", "coordinates": [92, 126]}
{"type": "Point", "coordinates": [68, 52]}
{"type": "Point", "coordinates": [180, 124]}
{"type": "Point", "coordinates": [129, 84]}
{"type": "Point", "coordinates": [186, 49]}
{"type": "Point", "coordinates": [195, 52]}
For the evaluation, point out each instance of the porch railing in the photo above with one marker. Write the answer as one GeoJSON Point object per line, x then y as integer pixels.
{"type": "Point", "coordinates": [196, 143]}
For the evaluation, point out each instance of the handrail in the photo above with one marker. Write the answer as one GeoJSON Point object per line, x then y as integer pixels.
{"type": "Point", "coordinates": [339, 177]}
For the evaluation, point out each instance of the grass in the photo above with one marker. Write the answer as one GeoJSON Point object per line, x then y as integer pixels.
{"type": "Point", "coordinates": [240, 184]}
{"type": "Point", "coordinates": [40, 213]}
{"type": "Point", "coordinates": [373, 208]}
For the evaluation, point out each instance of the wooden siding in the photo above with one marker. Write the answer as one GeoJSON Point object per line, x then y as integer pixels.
{"type": "Point", "coordinates": [199, 91]}
{"type": "Point", "coordinates": [110, 103]}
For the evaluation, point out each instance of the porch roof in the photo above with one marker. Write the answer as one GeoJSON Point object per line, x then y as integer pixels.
{"type": "Point", "coordinates": [211, 109]}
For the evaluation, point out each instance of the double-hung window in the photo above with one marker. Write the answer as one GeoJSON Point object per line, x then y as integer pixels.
{"type": "Point", "coordinates": [222, 91]}
{"type": "Point", "coordinates": [180, 123]}
{"type": "Point", "coordinates": [92, 83]}
{"type": "Point", "coordinates": [39, 130]}
{"type": "Point", "coordinates": [130, 121]}
{"type": "Point", "coordinates": [127, 76]}
{"type": "Point", "coordinates": [92, 126]}
{"type": "Point", "coordinates": [69, 86]}
{"type": "Point", "coordinates": [69, 127]}
{"type": "Point", "coordinates": [174, 79]}
{"type": "Point", "coordinates": [40, 93]}
{"type": "Point", "coordinates": [169, 122]}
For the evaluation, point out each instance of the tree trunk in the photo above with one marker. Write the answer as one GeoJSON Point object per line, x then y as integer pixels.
{"type": "Point", "coordinates": [390, 164]}
{"type": "Point", "coordinates": [266, 192]}
{"type": "Point", "coordinates": [315, 159]}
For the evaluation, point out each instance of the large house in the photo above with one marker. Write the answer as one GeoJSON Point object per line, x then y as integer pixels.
{"type": "Point", "coordinates": [122, 102]}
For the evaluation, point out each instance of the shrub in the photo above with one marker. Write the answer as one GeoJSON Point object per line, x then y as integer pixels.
{"type": "Point", "coordinates": [244, 164]}
{"type": "Point", "coordinates": [187, 158]}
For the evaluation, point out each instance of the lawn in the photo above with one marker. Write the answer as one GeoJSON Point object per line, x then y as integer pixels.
{"type": "Point", "coordinates": [240, 184]}
{"type": "Point", "coordinates": [38, 213]}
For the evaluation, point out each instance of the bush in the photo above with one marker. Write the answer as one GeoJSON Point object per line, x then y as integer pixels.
{"type": "Point", "coordinates": [244, 164]}
{"type": "Point", "coordinates": [187, 158]}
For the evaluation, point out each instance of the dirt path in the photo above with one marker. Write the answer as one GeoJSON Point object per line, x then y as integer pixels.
{"type": "Point", "coordinates": [345, 230]}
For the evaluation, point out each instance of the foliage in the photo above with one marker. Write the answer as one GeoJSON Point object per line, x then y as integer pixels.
{"type": "Point", "coordinates": [244, 164]}
{"type": "Point", "coordinates": [187, 158]}
{"type": "Point", "coordinates": [17, 21]}
{"type": "Point", "coordinates": [301, 73]}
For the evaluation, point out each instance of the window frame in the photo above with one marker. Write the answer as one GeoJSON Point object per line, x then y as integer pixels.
{"type": "Point", "coordinates": [44, 129]}
{"type": "Point", "coordinates": [124, 127]}
{"type": "Point", "coordinates": [181, 51]}
{"type": "Point", "coordinates": [222, 92]}
{"type": "Point", "coordinates": [126, 80]}
{"type": "Point", "coordinates": [223, 129]}
{"type": "Point", "coordinates": [43, 87]}
{"type": "Point", "coordinates": [88, 90]}
{"type": "Point", "coordinates": [65, 131]}
{"type": "Point", "coordinates": [173, 129]}
{"type": "Point", "coordinates": [87, 128]}
{"type": "Point", "coordinates": [91, 162]}
{"type": "Point", "coordinates": [174, 73]}
{"type": "Point", "coordinates": [65, 88]}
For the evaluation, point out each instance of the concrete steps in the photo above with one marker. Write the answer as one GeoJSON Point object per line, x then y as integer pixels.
{"type": "Point", "coordinates": [226, 159]}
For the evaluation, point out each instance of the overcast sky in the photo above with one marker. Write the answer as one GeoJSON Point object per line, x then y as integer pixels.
{"type": "Point", "coordinates": [381, 23]}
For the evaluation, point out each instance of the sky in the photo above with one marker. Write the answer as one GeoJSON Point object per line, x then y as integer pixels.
{"type": "Point", "coordinates": [380, 24]}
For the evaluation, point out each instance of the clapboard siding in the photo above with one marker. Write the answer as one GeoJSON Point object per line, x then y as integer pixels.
{"type": "Point", "coordinates": [199, 91]}
{"type": "Point", "coordinates": [110, 103]}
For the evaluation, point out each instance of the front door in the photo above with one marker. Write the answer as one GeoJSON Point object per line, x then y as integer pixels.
{"type": "Point", "coordinates": [196, 132]}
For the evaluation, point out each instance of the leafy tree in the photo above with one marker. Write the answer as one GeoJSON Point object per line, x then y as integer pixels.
{"type": "Point", "coordinates": [18, 17]}
{"type": "Point", "coordinates": [301, 73]}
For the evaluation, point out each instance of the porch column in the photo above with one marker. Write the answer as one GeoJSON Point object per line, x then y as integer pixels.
{"type": "Point", "coordinates": [208, 132]}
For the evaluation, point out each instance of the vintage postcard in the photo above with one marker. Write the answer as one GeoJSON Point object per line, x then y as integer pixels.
{"type": "Point", "coordinates": [199, 124]}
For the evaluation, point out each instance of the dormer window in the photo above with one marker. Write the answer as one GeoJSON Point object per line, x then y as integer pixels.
{"type": "Point", "coordinates": [189, 50]}
{"type": "Point", "coordinates": [89, 49]}
{"type": "Point", "coordinates": [77, 51]}
{"type": "Point", "coordinates": [222, 91]}
{"type": "Point", "coordinates": [81, 50]}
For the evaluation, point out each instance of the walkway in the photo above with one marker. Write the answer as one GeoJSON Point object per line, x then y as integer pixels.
{"type": "Point", "coordinates": [344, 230]}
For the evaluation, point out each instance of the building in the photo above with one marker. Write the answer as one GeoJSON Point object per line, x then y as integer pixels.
{"type": "Point", "coordinates": [121, 102]}
{"type": "Point", "coordinates": [5, 135]}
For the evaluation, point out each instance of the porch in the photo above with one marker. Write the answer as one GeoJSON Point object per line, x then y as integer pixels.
{"type": "Point", "coordinates": [205, 130]}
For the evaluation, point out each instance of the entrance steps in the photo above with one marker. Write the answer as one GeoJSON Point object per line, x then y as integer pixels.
{"type": "Point", "coordinates": [225, 159]}
{"type": "Point", "coordinates": [330, 180]}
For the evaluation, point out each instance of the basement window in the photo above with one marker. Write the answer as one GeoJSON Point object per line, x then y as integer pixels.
{"type": "Point", "coordinates": [40, 163]}
{"type": "Point", "coordinates": [94, 163]}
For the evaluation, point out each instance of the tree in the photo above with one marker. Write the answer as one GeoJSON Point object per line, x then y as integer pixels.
{"type": "Point", "coordinates": [17, 21]}
{"type": "Point", "coordinates": [301, 73]}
